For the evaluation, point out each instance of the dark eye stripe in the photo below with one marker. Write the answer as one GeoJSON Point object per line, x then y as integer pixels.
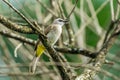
{"type": "Point", "coordinates": [60, 20]}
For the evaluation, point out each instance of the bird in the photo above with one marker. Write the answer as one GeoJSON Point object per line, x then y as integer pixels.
{"type": "Point", "coordinates": [52, 33]}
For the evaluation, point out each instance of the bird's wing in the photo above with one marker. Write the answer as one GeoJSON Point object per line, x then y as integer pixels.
{"type": "Point", "coordinates": [47, 30]}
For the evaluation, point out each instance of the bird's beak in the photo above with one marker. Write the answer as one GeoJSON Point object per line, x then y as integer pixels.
{"type": "Point", "coordinates": [66, 21]}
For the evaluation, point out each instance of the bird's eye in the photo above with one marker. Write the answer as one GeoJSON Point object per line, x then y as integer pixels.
{"type": "Point", "coordinates": [60, 20]}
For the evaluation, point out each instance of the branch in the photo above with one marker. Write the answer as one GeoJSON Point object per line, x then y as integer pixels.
{"type": "Point", "coordinates": [104, 72]}
{"type": "Point", "coordinates": [75, 65]}
{"type": "Point", "coordinates": [110, 28]}
{"type": "Point", "coordinates": [18, 12]}
{"type": "Point", "coordinates": [114, 34]}
{"type": "Point", "coordinates": [118, 2]}
{"type": "Point", "coordinates": [18, 37]}
{"type": "Point", "coordinates": [76, 51]}
{"type": "Point", "coordinates": [48, 9]}
{"type": "Point", "coordinates": [100, 59]}
{"type": "Point", "coordinates": [62, 50]}
{"type": "Point", "coordinates": [72, 9]}
{"type": "Point", "coordinates": [27, 20]}
{"type": "Point", "coordinates": [68, 28]}
{"type": "Point", "coordinates": [56, 58]}
{"type": "Point", "coordinates": [24, 73]}
{"type": "Point", "coordinates": [14, 26]}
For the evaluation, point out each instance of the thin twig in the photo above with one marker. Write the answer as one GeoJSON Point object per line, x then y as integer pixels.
{"type": "Point", "coordinates": [72, 9]}
{"type": "Point", "coordinates": [68, 28]}
{"type": "Point", "coordinates": [62, 50]}
{"type": "Point", "coordinates": [17, 37]}
{"type": "Point", "coordinates": [60, 9]}
{"type": "Point", "coordinates": [18, 12]}
{"type": "Point", "coordinates": [16, 49]}
{"type": "Point", "coordinates": [118, 2]}
{"type": "Point", "coordinates": [8, 59]}
{"type": "Point", "coordinates": [74, 65]}
{"type": "Point", "coordinates": [117, 12]}
{"type": "Point", "coordinates": [56, 58]}
{"type": "Point", "coordinates": [24, 73]}
{"type": "Point", "coordinates": [112, 10]}
{"type": "Point", "coordinates": [76, 51]}
{"type": "Point", "coordinates": [48, 9]}
{"type": "Point", "coordinates": [110, 28]}
{"type": "Point", "coordinates": [100, 59]}
{"type": "Point", "coordinates": [94, 69]}
{"type": "Point", "coordinates": [27, 20]}
{"type": "Point", "coordinates": [68, 68]}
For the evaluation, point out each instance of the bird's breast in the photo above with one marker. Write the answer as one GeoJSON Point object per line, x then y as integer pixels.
{"type": "Point", "coordinates": [54, 34]}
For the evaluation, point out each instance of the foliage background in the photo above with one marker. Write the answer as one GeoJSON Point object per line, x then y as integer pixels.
{"type": "Point", "coordinates": [89, 21]}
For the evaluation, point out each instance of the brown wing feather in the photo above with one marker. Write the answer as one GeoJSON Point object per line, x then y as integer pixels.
{"type": "Point", "coordinates": [48, 29]}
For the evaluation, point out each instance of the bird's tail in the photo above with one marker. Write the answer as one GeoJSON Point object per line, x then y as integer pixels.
{"type": "Point", "coordinates": [33, 64]}
{"type": "Point", "coordinates": [38, 52]}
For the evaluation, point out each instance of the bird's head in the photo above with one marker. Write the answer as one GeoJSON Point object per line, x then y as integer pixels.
{"type": "Point", "coordinates": [60, 21]}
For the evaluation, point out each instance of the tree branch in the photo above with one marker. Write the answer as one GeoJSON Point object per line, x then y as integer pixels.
{"type": "Point", "coordinates": [24, 73]}
{"type": "Point", "coordinates": [14, 26]}
{"type": "Point", "coordinates": [62, 50]}
{"type": "Point", "coordinates": [72, 9]}
{"type": "Point", "coordinates": [37, 30]}
{"type": "Point", "coordinates": [48, 9]}
{"type": "Point", "coordinates": [76, 51]}
{"type": "Point", "coordinates": [56, 58]}
{"type": "Point", "coordinates": [18, 37]}
{"type": "Point", "coordinates": [100, 59]}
